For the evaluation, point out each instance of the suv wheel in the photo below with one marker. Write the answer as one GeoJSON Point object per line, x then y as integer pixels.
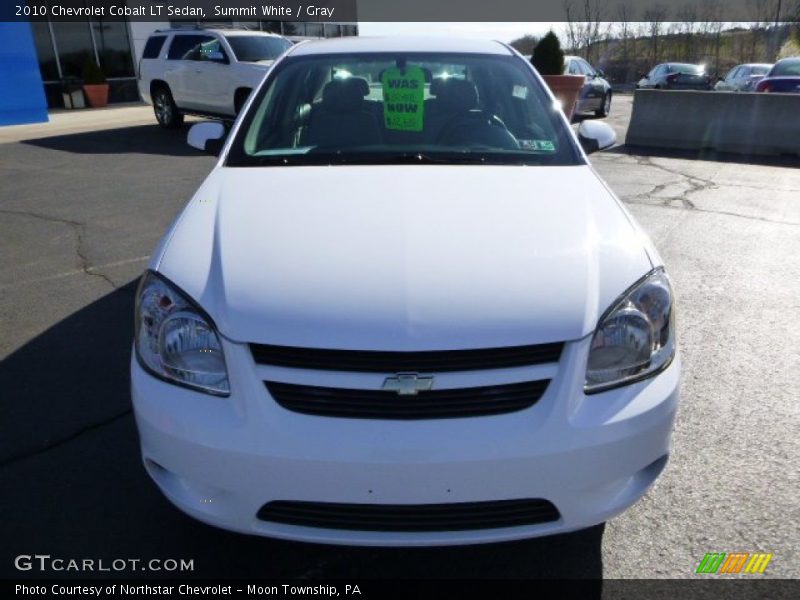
{"type": "Point", "coordinates": [167, 113]}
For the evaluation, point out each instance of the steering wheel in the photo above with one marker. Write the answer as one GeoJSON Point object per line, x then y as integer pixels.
{"type": "Point", "coordinates": [477, 128]}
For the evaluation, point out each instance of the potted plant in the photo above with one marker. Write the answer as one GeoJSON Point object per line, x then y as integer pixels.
{"type": "Point", "coordinates": [548, 59]}
{"type": "Point", "coordinates": [95, 86]}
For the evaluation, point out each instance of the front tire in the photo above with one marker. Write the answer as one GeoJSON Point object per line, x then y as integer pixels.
{"type": "Point", "coordinates": [605, 108]}
{"type": "Point", "coordinates": [167, 112]}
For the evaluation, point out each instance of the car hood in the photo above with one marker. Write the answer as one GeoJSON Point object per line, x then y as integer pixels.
{"type": "Point", "coordinates": [404, 257]}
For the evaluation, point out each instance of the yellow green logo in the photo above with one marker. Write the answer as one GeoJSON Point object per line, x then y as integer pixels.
{"type": "Point", "coordinates": [734, 562]}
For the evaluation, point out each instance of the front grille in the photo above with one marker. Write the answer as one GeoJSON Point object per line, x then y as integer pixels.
{"type": "Point", "coordinates": [435, 361]}
{"type": "Point", "coordinates": [462, 516]}
{"type": "Point", "coordinates": [432, 404]}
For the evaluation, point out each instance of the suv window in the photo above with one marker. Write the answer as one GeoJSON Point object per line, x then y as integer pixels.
{"type": "Point", "coordinates": [153, 46]}
{"type": "Point", "coordinates": [182, 45]}
{"type": "Point", "coordinates": [252, 48]}
{"type": "Point", "coordinates": [205, 49]}
{"type": "Point", "coordinates": [402, 108]}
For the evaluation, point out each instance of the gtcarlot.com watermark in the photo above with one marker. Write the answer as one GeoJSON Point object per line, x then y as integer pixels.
{"type": "Point", "coordinates": [48, 563]}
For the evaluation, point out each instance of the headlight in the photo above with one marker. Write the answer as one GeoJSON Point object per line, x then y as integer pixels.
{"type": "Point", "coordinates": [175, 340]}
{"type": "Point", "coordinates": [635, 338]}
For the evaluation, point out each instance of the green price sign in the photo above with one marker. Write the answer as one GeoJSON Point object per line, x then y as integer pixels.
{"type": "Point", "coordinates": [403, 98]}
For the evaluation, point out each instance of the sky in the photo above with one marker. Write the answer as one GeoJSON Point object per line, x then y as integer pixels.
{"type": "Point", "coordinates": [504, 32]}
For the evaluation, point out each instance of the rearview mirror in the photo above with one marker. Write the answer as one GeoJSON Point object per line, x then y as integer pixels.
{"type": "Point", "coordinates": [594, 136]}
{"type": "Point", "coordinates": [208, 136]}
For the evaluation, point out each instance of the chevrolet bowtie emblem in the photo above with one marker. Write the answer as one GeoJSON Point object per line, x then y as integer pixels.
{"type": "Point", "coordinates": [407, 384]}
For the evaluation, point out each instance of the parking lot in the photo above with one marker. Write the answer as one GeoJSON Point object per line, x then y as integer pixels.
{"type": "Point", "coordinates": [81, 210]}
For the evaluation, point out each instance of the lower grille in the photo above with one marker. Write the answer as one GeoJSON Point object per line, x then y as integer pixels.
{"type": "Point", "coordinates": [462, 516]}
{"type": "Point", "coordinates": [432, 404]}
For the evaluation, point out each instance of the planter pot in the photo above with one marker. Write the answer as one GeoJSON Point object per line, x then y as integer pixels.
{"type": "Point", "coordinates": [567, 89]}
{"type": "Point", "coordinates": [96, 94]}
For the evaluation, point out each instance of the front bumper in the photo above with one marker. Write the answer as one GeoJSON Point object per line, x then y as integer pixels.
{"type": "Point", "coordinates": [221, 459]}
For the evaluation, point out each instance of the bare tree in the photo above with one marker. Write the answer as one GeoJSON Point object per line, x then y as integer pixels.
{"type": "Point", "coordinates": [654, 18]}
{"type": "Point", "coordinates": [585, 27]}
{"type": "Point", "coordinates": [687, 27]}
{"type": "Point", "coordinates": [625, 32]}
{"type": "Point", "coordinates": [525, 44]}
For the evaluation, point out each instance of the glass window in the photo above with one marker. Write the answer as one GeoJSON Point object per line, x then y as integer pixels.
{"type": "Point", "coordinates": [252, 48]}
{"type": "Point", "coordinates": [74, 42]}
{"type": "Point", "coordinates": [332, 30]}
{"type": "Point", "coordinates": [294, 28]}
{"type": "Point", "coordinates": [403, 108]}
{"type": "Point", "coordinates": [759, 70]}
{"type": "Point", "coordinates": [182, 44]}
{"type": "Point", "coordinates": [586, 68]}
{"type": "Point", "coordinates": [44, 50]}
{"type": "Point", "coordinates": [207, 48]}
{"type": "Point", "coordinates": [786, 68]}
{"type": "Point", "coordinates": [314, 30]}
{"type": "Point", "coordinates": [113, 48]}
{"type": "Point", "coordinates": [153, 46]}
{"type": "Point", "coordinates": [348, 30]}
{"type": "Point", "coordinates": [271, 26]}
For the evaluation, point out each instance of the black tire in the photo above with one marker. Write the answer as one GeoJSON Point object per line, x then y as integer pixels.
{"type": "Point", "coordinates": [167, 112]}
{"type": "Point", "coordinates": [605, 107]}
{"type": "Point", "coordinates": [239, 100]}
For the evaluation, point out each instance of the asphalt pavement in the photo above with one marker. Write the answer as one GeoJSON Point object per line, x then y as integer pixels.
{"type": "Point", "coordinates": [81, 209]}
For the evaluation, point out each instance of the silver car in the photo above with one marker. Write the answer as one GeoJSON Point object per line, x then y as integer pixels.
{"type": "Point", "coordinates": [743, 78]}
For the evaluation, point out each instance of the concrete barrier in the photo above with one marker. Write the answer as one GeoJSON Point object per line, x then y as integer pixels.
{"type": "Point", "coordinates": [743, 123]}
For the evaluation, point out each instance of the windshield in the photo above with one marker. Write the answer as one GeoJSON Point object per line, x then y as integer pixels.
{"type": "Point", "coordinates": [252, 48]}
{"type": "Point", "coordinates": [403, 108]}
{"type": "Point", "coordinates": [786, 68]}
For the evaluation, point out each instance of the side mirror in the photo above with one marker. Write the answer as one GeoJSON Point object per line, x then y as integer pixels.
{"type": "Point", "coordinates": [208, 136]}
{"type": "Point", "coordinates": [217, 57]}
{"type": "Point", "coordinates": [594, 136]}
{"type": "Point", "coordinates": [599, 73]}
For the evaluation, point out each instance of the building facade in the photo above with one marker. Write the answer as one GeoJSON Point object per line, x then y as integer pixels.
{"type": "Point", "coordinates": [63, 48]}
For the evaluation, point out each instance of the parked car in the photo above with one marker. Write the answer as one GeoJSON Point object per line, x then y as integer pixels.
{"type": "Point", "coordinates": [676, 76]}
{"type": "Point", "coordinates": [742, 78]}
{"type": "Point", "coordinates": [371, 326]}
{"type": "Point", "coordinates": [784, 77]}
{"type": "Point", "coordinates": [596, 93]}
{"type": "Point", "coordinates": [207, 72]}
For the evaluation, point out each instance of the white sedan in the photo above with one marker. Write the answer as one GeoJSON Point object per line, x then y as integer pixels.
{"type": "Point", "coordinates": [403, 309]}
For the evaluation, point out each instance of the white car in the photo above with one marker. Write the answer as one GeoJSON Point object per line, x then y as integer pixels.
{"type": "Point", "coordinates": [208, 72]}
{"type": "Point", "coordinates": [403, 309]}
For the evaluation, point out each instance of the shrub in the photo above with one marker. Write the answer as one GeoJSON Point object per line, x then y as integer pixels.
{"type": "Point", "coordinates": [548, 58]}
{"type": "Point", "coordinates": [92, 74]}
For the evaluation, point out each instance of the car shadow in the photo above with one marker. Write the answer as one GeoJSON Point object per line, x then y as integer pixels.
{"type": "Point", "coordinates": [139, 139]}
{"type": "Point", "coordinates": [707, 155]}
{"type": "Point", "coordinates": [74, 485]}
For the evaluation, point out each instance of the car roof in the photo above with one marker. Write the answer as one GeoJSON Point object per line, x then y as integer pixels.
{"type": "Point", "coordinates": [355, 45]}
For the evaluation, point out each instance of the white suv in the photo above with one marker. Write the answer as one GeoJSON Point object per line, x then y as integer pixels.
{"type": "Point", "coordinates": [208, 72]}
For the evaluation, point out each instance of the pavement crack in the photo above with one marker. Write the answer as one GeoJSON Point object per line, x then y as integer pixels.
{"type": "Point", "coordinates": [694, 184]}
{"type": "Point", "coordinates": [79, 231]}
{"type": "Point", "coordinates": [65, 440]}
{"type": "Point", "coordinates": [635, 200]}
